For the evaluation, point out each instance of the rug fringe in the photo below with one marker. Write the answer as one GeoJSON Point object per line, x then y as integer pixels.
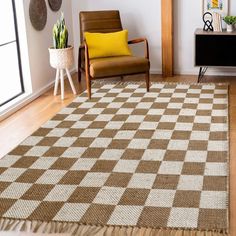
{"type": "Point", "coordinates": [120, 82]}
{"type": "Point", "coordinates": [77, 229]}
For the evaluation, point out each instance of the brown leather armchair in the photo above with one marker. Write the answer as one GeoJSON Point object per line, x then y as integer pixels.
{"type": "Point", "coordinates": [107, 22]}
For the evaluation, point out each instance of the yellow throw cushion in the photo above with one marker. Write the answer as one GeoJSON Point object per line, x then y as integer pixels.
{"type": "Point", "coordinates": [107, 44]}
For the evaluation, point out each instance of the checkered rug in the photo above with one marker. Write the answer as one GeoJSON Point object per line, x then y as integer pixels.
{"type": "Point", "coordinates": [156, 160]}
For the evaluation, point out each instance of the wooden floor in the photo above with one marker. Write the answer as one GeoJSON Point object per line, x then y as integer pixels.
{"type": "Point", "coordinates": [23, 123]}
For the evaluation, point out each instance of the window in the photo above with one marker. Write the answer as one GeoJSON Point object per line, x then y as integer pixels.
{"type": "Point", "coordinates": [11, 79]}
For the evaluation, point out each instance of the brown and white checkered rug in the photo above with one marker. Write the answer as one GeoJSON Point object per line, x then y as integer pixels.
{"type": "Point", "coordinates": [157, 160]}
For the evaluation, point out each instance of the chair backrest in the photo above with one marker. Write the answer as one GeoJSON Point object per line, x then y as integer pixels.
{"type": "Point", "coordinates": [99, 22]}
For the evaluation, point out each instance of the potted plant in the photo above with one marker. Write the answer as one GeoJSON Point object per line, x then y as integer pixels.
{"type": "Point", "coordinates": [61, 55]}
{"type": "Point", "coordinates": [230, 21]}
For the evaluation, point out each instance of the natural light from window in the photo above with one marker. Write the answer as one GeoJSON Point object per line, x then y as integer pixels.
{"type": "Point", "coordinates": [11, 79]}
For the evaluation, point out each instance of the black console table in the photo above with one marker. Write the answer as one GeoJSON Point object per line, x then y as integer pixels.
{"type": "Point", "coordinates": [214, 49]}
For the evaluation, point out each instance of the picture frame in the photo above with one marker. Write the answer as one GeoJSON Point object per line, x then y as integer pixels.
{"type": "Point", "coordinates": [218, 6]}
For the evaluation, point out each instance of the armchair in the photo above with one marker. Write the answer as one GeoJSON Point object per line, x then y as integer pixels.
{"type": "Point", "coordinates": [107, 22]}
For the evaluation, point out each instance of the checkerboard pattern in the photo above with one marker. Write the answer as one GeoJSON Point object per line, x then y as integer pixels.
{"type": "Point", "coordinates": [126, 157]}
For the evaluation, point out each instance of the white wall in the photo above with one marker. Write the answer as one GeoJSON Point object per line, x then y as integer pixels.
{"type": "Point", "coordinates": [140, 17]}
{"type": "Point", "coordinates": [187, 17]}
{"type": "Point", "coordinates": [39, 41]}
{"type": "Point", "coordinates": [143, 18]}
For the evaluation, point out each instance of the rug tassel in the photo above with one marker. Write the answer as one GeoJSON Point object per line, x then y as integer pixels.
{"type": "Point", "coordinates": [76, 229]}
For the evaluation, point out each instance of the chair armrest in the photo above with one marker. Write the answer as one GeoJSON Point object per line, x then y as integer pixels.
{"type": "Point", "coordinates": [87, 63]}
{"type": "Point", "coordinates": [140, 40]}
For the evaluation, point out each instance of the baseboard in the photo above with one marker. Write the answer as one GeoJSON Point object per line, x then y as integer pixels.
{"type": "Point", "coordinates": [26, 99]}
{"type": "Point", "coordinates": [156, 71]}
{"type": "Point", "coordinates": [210, 71]}
{"type": "Point", "coordinates": [194, 71]}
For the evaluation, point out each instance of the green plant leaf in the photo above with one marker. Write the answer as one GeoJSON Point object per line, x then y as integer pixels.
{"type": "Point", "coordinates": [230, 20]}
{"type": "Point", "coordinates": [60, 33]}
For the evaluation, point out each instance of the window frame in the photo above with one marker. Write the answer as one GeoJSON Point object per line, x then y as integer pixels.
{"type": "Point", "coordinates": [18, 55]}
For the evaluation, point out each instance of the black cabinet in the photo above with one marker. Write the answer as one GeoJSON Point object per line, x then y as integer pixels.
{"type": "Point", "coordinates": [214, 49]}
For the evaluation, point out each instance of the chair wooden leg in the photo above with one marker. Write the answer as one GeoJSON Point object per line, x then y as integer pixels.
{"type": "Point", "coordinates": [147, 77]}
{"type": "Point", "coordinates": [88, 83]}
{"type": "Point", "coordinates": [79, 66]}
{"type": "Point", "coordinates": [79, 75]}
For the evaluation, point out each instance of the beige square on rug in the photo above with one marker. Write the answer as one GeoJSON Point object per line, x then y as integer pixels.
{"type": "Point", "coordinates": [125, 162]}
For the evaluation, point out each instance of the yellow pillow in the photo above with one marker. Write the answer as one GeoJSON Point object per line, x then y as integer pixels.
{"type": "Point", "coordinates": [107, 44]}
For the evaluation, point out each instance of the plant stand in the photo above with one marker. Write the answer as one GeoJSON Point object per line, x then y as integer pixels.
{"type": "Point", "coordinates": [60, 77]}
{"type": "Point", "coordinates": [62, 59]}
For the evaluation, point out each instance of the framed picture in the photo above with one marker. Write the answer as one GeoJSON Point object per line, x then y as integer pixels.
{"type": "Point", "coordinates": [219, 6]}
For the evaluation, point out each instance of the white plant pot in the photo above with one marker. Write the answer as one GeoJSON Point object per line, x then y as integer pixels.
{"type": "Point", "coordinates": [230, 28]}
{"type": "Point", "coordinates": [61, 58]}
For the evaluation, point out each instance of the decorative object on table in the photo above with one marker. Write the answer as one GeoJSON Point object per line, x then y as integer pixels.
{"type": "Point", "coordinates": [230, 21]}
{"type": "Point", "coordinates": [38, 14]}
{"type": "Point", "coordinates": [95, 169]}
{"type": "Point", "coordinates": [55, 5]}
{"type": "Point", "coordinates": [208, 20]}
{"type": "Point", "coordinates": [217, 22]}
{"type": "Point", "coordinates": [61, 55]}
{"type": "Point", "coordinates": [219, 6]}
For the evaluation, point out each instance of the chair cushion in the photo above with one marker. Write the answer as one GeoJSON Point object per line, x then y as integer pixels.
{"type": "Point", "coordinates": [107, 44]}
{"type": "Point", "coordinates": [115, 66]}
